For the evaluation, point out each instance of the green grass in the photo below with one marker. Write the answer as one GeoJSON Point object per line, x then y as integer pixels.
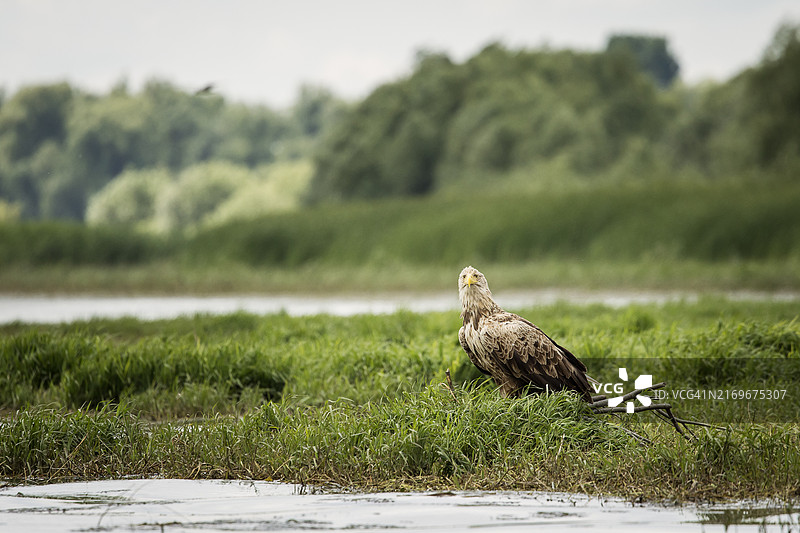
{"type": "Point", "coordinates": [358, 401]}
{"type": "Point", "coordinates": [222, 361]}
{"type": "Point", "coordinates": [228, 363]}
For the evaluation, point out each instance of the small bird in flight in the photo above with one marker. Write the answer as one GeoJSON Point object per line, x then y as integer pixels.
{"type": "Point", "coordinates": [205, 90]}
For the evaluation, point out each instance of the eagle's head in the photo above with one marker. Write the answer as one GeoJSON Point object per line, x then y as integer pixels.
{"type": "Point", "coordinates": [473, 291]}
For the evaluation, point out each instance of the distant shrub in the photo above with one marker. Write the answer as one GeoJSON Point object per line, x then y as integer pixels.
{"type": "Point", "coordinates": [129, 199]}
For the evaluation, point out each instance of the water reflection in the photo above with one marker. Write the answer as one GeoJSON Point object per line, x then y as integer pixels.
{"type": "Point", "coordinates": [785, 516]}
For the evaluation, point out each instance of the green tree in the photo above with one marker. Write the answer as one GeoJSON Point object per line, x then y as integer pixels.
{"type": "Point", "coordinates": [105, 137]}
{"type": "Point", "coordinates": [747, 125]}
{"type": "Point", "coordinates": [33, 126]}
{"type": "Point", "coordinates": [499, 112]}
{"type": "Point", "coordinates": [773, 97]}
{"type": "Point", "coordinates": [314, 109]}
{"type": "Point", "coordinates": [33, 116]}
{"type": "Point", "coordinates": [390, 143]}
{"type": "Point", "coordinates": [58, 146]}
{"type": "Point", "coordinates": [651, 53]}
{"type": "Point", "coordinates": [250, 135]}
{"type": "Point", "coordinates": [180, 129]}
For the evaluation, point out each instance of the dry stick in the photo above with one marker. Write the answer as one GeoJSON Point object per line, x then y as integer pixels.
{"type": "Point", "coordinates": [450, 385]}
{"type": "Point", "coordinates": [675, 423]}
{"type": "Point", "coordinates": [696, 423]}
{"type": "Point", "coordinates": [663, 411]}
{"type": "Point", "coordinates": [686, 422]}
{"type": "Point", "coordinates": [604, 401]}
{"type": "Point", "coordinates": [599, 405]}
{"type": "Point", "coordinates": [670, 417]}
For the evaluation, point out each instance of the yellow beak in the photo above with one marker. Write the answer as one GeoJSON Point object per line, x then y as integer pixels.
{"type": "Point", "coordinates": [470, 281]}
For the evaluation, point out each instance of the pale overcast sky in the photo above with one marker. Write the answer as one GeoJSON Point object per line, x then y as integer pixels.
{"type": "Point", "coordinates": [262, 51]}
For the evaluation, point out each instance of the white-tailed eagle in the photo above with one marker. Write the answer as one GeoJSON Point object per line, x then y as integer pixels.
{"type": "Point", "coordinates": [518, 356]}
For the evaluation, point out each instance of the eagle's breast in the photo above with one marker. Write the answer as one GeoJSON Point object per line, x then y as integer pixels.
{"type": "Point", "coordinates": [472, 336]}
{"type": "Point", "coordinates": [483, 345]}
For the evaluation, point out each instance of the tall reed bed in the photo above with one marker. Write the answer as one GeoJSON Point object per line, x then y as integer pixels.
{"type": "Point", "coordinates": [681, 220]}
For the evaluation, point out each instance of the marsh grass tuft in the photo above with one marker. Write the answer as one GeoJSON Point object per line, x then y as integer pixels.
{"type": "Point", "coordinates": [419, 440]}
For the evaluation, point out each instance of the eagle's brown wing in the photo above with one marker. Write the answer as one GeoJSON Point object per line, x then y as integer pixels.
{"type": "Point", "coordinates": [533, 357]}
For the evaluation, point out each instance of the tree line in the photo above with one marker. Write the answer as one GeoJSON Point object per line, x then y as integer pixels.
{"type": "Point", "coordinates": [164, 158]}
{"type": "Point", "coordinates": [59, 146]}
{"type": "Point", "coordinates": [544, 115]}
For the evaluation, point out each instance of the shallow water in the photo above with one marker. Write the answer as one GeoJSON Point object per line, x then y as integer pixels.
{"type": "Point", "coordinates": [54, 309]}
{"type": "Point", "coordinates": [184, 505]}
